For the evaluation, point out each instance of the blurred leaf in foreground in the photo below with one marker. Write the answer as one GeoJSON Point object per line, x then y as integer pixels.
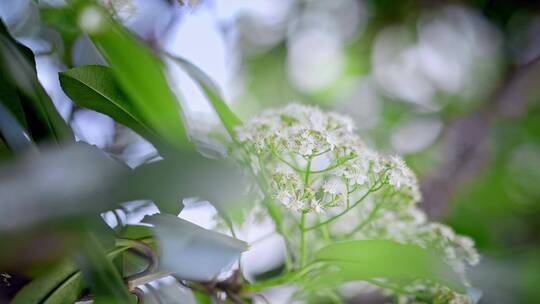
{"type": "Point", "coordinates": [41, 187]}
{"type": "Point", "coordinates": [56, 183]}
{"type": "Point", "coordinates": [99, 272]}
{"type": "Point", "coordinates": [62, 282]}
{"type": "Point", "coordinates": [192, 252]}
{"type": "Point", "coordinates": [187, 175]}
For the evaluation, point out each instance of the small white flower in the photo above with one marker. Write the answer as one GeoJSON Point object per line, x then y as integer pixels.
{"type": "Point", "coordinates": [335, 186]}
{"type": "Point", "coordinates": [317, 120]}
{"type": "Point", "coordinates": [355, 172]}
{"type": "Point", "coordinates": [394, 179]}
{"type": "Point", "coordinates": [284, 197]}
{"type": "Point", "coordinates": [317, 206]}
{"type": "Point", "coordinates": [333, 140]}
{"type": "Point", "coordinates": [296, 205]}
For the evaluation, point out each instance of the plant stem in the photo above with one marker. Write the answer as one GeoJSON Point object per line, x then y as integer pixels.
{"type": "Point", "coordinates": [337, 164]}
{"type": "Point", "coordinates": [306, 175]}
{"type": "Point", "coordinates": [295, 168]}
{"type": "Point", "coordinates": [273, 212]}
{"type": "Point", "coordinates": [303, 244]}
{"type": "Point", "coordinates": [324, 230]}
{"type": "Point", "coordinates": [288, 278]}
{"type": "Point", "coordinates": [269, 283]}
{"type": "Point", "coordinates": [302, 240]}
{"type": "Point", "coordinates": [370, 190]}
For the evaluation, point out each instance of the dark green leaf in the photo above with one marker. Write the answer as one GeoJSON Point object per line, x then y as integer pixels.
{"type": "Point", "coordinates": [18, 68]}
{"type": "Point", "coordinates": [94, 87]}
{"type": "Point", "coordinates": [56, 279]}
{"type": "Point", "coordinates": [63, 284]}
{"type": "Point", "coordinates": [67, 292]}
{"type": "Point", "coordinates": [99, 272]}
{"type": "Point", "coordinates": [192, 252]}
{"type": "Point", "coordinates": [4, 150]}
{"type": "Point", "coordinates": [9, 97]}
{"type": "Point", "coordinates": [13, 133]}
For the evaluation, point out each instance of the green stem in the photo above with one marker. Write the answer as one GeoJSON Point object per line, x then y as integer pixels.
{"type": "Point", "coordinates": [303, 244]}
{"type": "Point", "coordinates": [302, 240]}
{"type": "Point", "coordinates": [320, 153]}
{"type": "Point", "coordinates": [295, 168]}
{"type": "Point", "coordinates": [370, 190]}
{"type": "Point", "coordinates": [370, 217]}
{"type": "Point", "coordinates": [308, 172]}
{"type": "Point", "coordinates": [325, 232]}
{"type": "Point", "coordinates": [274, 213]}
{"type": "Point", "coordinates": [337, 164]}
{"type": "Point", "coordinates": [288, 278]}
{"type": "Point", "coordinates": [363, 224]}
{"type": "Point", "coordinates": [269, 283]}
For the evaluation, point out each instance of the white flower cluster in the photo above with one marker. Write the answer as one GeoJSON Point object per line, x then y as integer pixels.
{"type": "Point", "coordinates": [313, 162]}
{"type": "Point", "coordinates": [316, 162]}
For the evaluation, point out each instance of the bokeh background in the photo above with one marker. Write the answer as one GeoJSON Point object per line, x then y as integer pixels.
{"type": "Point", "coordinates": [453, 86]}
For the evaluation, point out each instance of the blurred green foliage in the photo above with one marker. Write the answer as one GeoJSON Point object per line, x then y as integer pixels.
{"type": "Point", "coordinates": [497, 202]}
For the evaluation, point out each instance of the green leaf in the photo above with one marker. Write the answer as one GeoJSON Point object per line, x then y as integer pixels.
{"type": "Point", "coordinates": [100, 273]}
{"type": "Point", "coordinates": [63, 284]}
{"type": "Point", "coordinates": [192, 252]}
{"type": "Point", "coordinates": [212, 92]}
{"type": "Point", "coordinates": [140, 75]}
{"type": "Point", "coordinates": [201, 297]}
{"type": "Point", "coordinates": [18, 67]}
{"type": "Point", "coordinates": [136, 232]}
{"type": "Point", "coordinates": [58, 183]}
{"type": "Point", "coordinates": [94, 87]}
{"type": "Point", "coordinates": [14, 134]}
{"type": "Point", "coordinates": [64, 20]}
{"type": "Point", "coordinates": [56, 279]}
{"type": "Point", "coordinates": [9, 97]}
{"type": "Point", "coordinates": [186, 174]}
{"type": "Point", "coordinates": [28, 201]}
{"type": "Point", "coordinates": [4, 150]}
{"type": "Point", "coordinates": [66, 293]}
{"type": "Point", "coordinates": [369, 259]}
